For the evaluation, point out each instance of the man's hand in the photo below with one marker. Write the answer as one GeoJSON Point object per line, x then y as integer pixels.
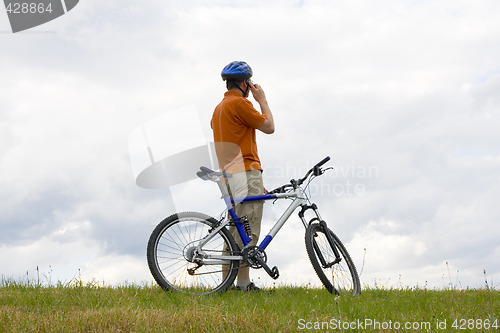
{"type": "Point", "coordinates": [257, 93]}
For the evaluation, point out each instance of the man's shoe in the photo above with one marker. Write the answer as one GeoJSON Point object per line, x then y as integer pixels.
{"type": "Point", "coordinates": [250, 287]}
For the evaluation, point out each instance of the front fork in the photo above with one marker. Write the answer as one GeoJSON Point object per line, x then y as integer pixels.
{"type": "Point", "coordinates": [329, 237]}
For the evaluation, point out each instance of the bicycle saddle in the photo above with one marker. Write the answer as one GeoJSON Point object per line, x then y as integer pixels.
{"type": "Point", "coordinates": [209, 174]}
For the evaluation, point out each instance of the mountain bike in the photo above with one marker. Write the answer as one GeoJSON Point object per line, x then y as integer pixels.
{"type": "Point", "coordinates": [195, 253]}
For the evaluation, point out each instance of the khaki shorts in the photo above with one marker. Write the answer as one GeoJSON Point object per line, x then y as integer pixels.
{"type": "Point", "coordinates": [246, 184]}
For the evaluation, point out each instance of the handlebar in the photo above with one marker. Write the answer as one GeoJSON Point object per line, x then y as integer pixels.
{"type": "Point", "coordinates": [316, 170]}
{"type": "Point", "coordinates": [323, 161]}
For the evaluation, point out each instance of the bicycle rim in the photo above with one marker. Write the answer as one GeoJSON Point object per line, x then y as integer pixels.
{"type": "Point", "coordinates": [170, 253]}
{"type": "Point", "coordinates": [338, 278]}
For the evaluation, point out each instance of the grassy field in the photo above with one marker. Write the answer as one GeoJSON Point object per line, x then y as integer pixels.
{"type": "Point", "coordinates": [93, 308]}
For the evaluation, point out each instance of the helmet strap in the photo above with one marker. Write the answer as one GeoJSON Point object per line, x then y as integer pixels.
{"type": "Point", "coordinates": [245, 92]}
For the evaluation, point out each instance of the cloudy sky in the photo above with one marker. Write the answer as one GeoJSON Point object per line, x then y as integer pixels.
{"type": "Point", "coordinates": [403, 95]}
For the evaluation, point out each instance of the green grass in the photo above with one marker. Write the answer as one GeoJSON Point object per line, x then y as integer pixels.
{"type": "Point", "coordinates": [93, 308]}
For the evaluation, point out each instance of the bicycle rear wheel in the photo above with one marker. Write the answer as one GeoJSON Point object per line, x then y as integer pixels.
{"type": "Point", "coordinates": [338, 275]}
{"type": "Point", "coordinates": [172, 259]}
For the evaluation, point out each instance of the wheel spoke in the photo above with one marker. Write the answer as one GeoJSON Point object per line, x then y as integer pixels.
{"type": "Point", "coordinates": [172, 251]}
{"type": "Point", "coordinates": [339, 277]}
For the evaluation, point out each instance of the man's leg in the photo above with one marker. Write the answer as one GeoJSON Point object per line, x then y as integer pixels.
{"type": "Point", "coordinates": [253, 211]}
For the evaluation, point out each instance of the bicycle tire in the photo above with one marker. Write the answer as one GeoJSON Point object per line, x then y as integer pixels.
{"type": "Point", "coordinates": [169, 248]}
{"type": "Point", "coordinates": [341, 277]}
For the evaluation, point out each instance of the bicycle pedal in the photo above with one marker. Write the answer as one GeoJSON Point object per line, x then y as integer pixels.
{"type": "Point", "coordinates": [275, 273]}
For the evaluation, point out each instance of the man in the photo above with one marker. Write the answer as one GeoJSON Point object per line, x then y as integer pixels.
{"type": "Point", "coordinates": [234, 123]}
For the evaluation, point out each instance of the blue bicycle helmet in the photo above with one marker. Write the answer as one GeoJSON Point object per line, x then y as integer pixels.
{"type": "Point", "coordinates": [238, 70]}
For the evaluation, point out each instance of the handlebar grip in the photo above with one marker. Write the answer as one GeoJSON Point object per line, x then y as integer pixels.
{"type": "Point", "coordinates": [323, 161]}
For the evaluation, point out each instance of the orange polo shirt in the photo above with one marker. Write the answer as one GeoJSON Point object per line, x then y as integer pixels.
{"type": "Point", "coordinates": [233, 123]}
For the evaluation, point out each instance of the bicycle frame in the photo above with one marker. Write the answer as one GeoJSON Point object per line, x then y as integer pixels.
{"type": "Point", "coordinates": [299, 200]}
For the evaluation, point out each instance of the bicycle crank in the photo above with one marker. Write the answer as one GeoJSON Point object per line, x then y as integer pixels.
{"type": "Point", "coordinates": [255, 257]}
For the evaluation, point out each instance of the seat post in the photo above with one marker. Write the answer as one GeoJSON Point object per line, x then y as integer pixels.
{"type": "Point", "coordinates": [222, 188]}
{"type": "Point", "coordinates": [225, 194]}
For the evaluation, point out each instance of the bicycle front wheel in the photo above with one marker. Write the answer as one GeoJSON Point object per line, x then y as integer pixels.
{"type": "Point", "coordinates": [173, 260]}
{"type": "Point", "coordinates": [333, 265]}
